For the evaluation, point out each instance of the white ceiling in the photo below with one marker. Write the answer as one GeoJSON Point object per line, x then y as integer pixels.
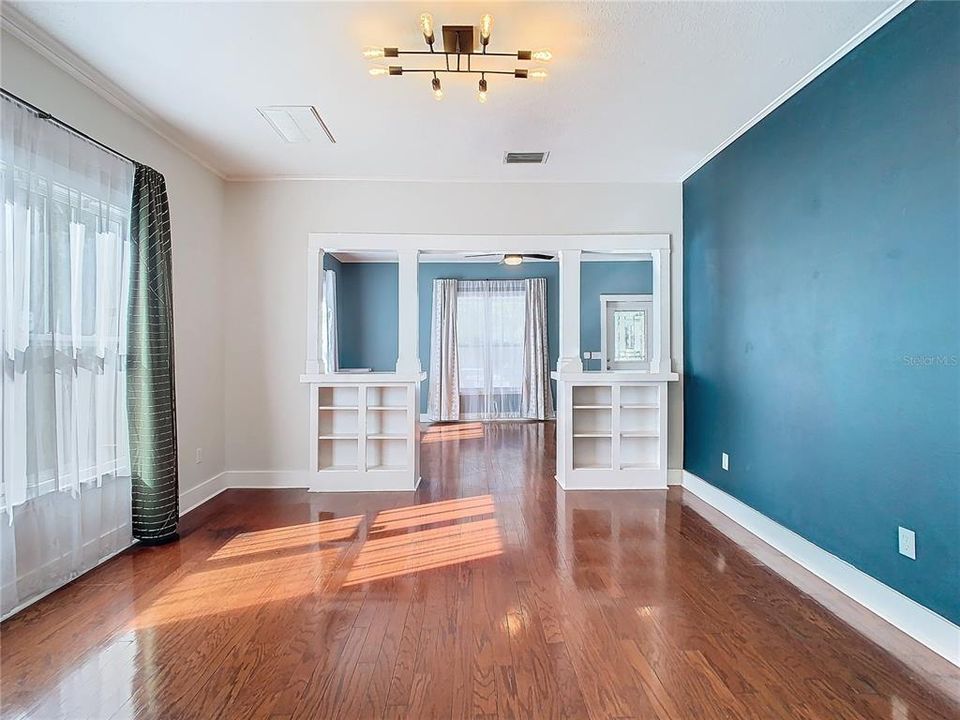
{"type": "Point", "coordinates": [637, 92]}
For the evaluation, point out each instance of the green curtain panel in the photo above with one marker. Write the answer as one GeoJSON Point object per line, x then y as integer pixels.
{"type": "Point", "coordinates": [151, 400]}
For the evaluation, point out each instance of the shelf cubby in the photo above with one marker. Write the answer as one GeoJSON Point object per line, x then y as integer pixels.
{"type": "Point", "coordinates": [392, 422]}
{"type": "Point", "coordinates": [592, 421]}
{"type": "Point", "coordinates": [339, 396]}
{"type": "Point", "coordinates": [637, 452]}
{"type": "Point", "coordinates": [385, 453]}
{"type": "Point", "coordinates": [337, 454]}
{"type": "Point", "coordinates": [639, 395]}
{"type": "Point", "coordinates": [338, 421]}
{"type": "Point", "coordinates": [634, 419]}
{"type": "Point", "coordinates": [387, 397]}
{"type": "Point", "coordinates": [592, 396]}
{"type": "Point", "coordinates": [592, 452]}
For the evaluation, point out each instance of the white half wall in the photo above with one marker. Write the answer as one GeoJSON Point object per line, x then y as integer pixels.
{"type": "Point", "coordinates": [196, 214]}
{"type": "Point", "coordinates": [267, 224]}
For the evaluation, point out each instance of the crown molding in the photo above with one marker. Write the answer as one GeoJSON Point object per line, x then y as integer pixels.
{"type": "Point", "coordinates": [871, 27]}
{"type": "Point", "coordinates": [41, 42]}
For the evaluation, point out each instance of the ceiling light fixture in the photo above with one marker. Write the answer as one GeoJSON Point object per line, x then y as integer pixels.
{"type": "Point", "coordinates": [458, 55]}
{"type": "Point", "coordinates": [512, 259]}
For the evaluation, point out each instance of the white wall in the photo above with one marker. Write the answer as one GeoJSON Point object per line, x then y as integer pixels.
{"type": "Point", "coordinates": [196, 211]}
{"type": "Point", "coordinates": [267, 224]}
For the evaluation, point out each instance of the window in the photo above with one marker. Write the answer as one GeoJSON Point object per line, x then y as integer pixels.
{"type": "Point", "coordinates": [625, 331]}
{"type": "Point", "coordinates": [490, 325]}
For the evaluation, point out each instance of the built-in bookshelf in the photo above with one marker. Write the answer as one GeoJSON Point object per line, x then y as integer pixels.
{"type": "Point", "coordinates": [365, 433]}
{"type": "Point", "coordinates": [614, 433]}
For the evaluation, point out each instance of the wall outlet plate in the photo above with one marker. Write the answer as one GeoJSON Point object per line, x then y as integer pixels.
{"type": "Point", "coordinates": [908, 543]}
{"type": "Point", "coordinates": [199, 458]}
{"type": "Point", "coordinates": [725, 461]}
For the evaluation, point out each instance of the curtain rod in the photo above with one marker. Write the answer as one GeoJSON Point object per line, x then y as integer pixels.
{"type": "Point", "coordinates": [44, 115]}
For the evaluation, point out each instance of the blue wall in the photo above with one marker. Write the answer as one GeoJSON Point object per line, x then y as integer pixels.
{"type": "Point", "coordinates": [367, 315]}
{"type": "Point", "coordinates": [607, 278]}
{"type": "Point", "coordinates": [822, 309]}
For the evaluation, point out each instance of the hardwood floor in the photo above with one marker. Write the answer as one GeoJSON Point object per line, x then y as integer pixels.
{"type": "Point", "coordinates": [488, 593]}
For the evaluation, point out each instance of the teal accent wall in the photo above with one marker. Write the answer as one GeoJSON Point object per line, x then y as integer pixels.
{"type": "Point", "coordinates": [367, 329]}
{"type": "Point", "coordinates": [822, 309]}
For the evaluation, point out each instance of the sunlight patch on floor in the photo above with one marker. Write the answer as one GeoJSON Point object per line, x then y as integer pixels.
{"type": "Point", "coordinates": [430, 513]}
{"type": "Point", "coordinates": [386, 555]}
{"type": "Point", "coordinates": [284, 538]}
{"type": "Point", "coordinates": [447, 433]}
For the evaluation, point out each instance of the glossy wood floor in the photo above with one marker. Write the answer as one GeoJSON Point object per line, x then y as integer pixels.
{"type": "Point", "coordinates": [487, 594]}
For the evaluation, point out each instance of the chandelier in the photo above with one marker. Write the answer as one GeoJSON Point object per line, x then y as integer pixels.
{"type": "Point", "coordinates": [458, 56]}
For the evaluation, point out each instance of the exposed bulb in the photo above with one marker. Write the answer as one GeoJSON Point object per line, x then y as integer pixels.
{"type": "Point", "coordinates": [438, 94]}
{"type": "Point", "coordinates": [437, 90]}
{"type": "Point", "coordinates": [426, 27]}
{"type": "Point", "coordinates": [378, 70]}
{"type": "Point", "coordinates": [512, 259]}
{"type": "Point", "coordinates": [373, 53]}
{"type": "Point", "coordinates": [542, 55]}
{"type": "Point", "coordinates": [482, 91]}
{"type": "Point", "coordinates": [486, 25]}
{"type": "Point", "coordinates": [537, 74]}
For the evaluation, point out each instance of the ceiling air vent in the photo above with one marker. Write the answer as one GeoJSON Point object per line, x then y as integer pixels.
{"type": "Point", "coordinates": [525, 158]}
{"type": "Point", "coordinates": [295, 123]}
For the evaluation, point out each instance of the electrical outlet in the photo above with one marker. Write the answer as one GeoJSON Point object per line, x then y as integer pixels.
{"type": "Point", "coordinates": [725, 461]}
{"type": "Point", "coordinates": [199, 458]}
{"type": "Point", "coordinates": [908, 543]}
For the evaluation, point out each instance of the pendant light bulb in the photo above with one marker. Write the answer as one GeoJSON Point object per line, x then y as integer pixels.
{"type": "Point", "coordinates": [372, 53]}
{"type": "Point", "coordinates": [482, 92]}
{"type": "Point", "coordinates": [538, 74]}
{"type": "Point", "coordinates": [378, 70]}
{"type": "Point", "coordinates": [426, 27]}
{"type": "Point", "coordinates": [437, 90]}
{"type": "Point", "coordinates": [542, 55]}
{"type": "Point", "coordinates": [486, 26]}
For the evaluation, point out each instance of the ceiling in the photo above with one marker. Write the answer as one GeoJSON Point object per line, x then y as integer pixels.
{"type": "Point", "coordinates": [638, 92]}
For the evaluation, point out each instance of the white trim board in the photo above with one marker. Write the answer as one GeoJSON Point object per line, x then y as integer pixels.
{"type": "Point", "coordinates": [874, 25]}
{"type": "Point", "coordinates": [909, 616]}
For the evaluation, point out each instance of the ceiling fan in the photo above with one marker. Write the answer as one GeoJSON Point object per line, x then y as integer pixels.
{"type": "Point", "coordinates": [514, 258]}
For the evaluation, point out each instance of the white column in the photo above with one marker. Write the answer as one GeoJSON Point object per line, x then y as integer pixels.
{"type": "Point", "coordinates": [569, 360]}
{"type": "Point", "coordinates": [660, 360]}
{"type": "Point", "coordinates": [315, 360]}
{"type": "Point", "coordinates": [408, 357]}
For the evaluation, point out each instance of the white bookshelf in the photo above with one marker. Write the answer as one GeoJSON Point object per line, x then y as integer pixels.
{"type": "Point", "coordinates": [364, 430]}
{"type": "Point", "coordinates": [611, 430]}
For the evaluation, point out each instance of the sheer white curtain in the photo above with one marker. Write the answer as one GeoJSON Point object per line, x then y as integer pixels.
{"type": "Point", "coordinates": [443, 393]}
{"type": "Point", "coordinates": [328, 330]}
{"type": "Point", "coordinates": [490, 329]}
{"type": "Point", "coordinates": [537, 395]}
{"type": "Point", "coordinates": [65, 487]}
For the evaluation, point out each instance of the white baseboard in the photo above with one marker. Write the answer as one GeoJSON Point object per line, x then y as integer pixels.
{"type": "Point", "coordinates": [266, 479]}
{"type": "Point", "coordinates": [197, 496]}
{"type": "Point", "coordinates": [318, 482]}
{"type": "Point", "coordinates": [917, 621]}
